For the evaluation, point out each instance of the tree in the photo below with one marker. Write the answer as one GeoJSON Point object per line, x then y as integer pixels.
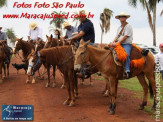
{"type": "Point", "coordinates": [150, 6]}
{"type": "Point", "coordinates": [10, 34]}
{"type": "Point", "coordinates": [105, 21]}
{"type": "Point", "coordinates": [3, 3]}
{"type": "Point", "coordinates": [58, 21]}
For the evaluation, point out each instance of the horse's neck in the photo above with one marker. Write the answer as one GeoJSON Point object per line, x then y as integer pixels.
{"type": "Point", "coordinates": [26, 48]}
{"type": "Point", "coordinates": [97, 55]}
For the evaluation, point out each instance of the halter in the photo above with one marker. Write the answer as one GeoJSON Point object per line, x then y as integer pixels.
{"type": "Point", "coordinates": [38, 61]}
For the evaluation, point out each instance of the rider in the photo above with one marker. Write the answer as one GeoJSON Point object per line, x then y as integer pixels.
{"type": "Point", "coordinates": [35, 32]}
{"type": "Point", "coordinates": [70, 30]}
{"type": "Point", "coordinates": [85, 29]}
{"type": "Point", "coordinates": [3, 36]}
{"type": "Point", "coordinates": [125, 39]}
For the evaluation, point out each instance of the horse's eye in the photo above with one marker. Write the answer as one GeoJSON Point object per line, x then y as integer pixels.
{"type": "Point", "coordinates": [82, 53]}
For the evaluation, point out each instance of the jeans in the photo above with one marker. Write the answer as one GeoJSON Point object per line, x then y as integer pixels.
{"type": "Point", "coordinates": [127, 48]}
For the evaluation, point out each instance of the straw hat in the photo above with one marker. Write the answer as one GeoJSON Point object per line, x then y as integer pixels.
{"type": "Point", "coordinates": [65, 24]}
{"type": "Point", "coordinates": [33, 25]}
{"type": "Point", "coordinates": [83, 12]}
{"type": "Point", "coordinates": [122, 14]}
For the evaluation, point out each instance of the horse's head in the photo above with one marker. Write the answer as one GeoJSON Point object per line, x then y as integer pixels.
{"type": "Point", "coordinates": [34, 62]}
{"type": "Point", "coordinates": [81, 55]}
{"type": "Point", "coordinates": [49, 41]}
{"type": "Point", "coordinates": [39, 45]}
{"type": "Point", "coordinates": [18, 45]}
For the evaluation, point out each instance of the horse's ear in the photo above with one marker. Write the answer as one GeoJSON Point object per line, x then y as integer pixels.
{"type": "Point", "coordinates": [51, 36]}
{"type": "Point", "coordinates": [82, 41]}
{"type": "Point", "coordinates": [21, 38]}
{"type": "Point", "coordinates": [87, 43]}
{"type": "Point", "coordinates": [47, 36]}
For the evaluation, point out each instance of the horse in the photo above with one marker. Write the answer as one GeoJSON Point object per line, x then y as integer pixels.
{"type": "Point", "coordinates": [103, 60]}
{"type": "Point", "coordinates": [62, 57]}
{"type": "Point", "coordinates": [27, 48]}
{"type": "Point", "coordinates": [39, 45]}
{"type": "Point", "coordinates": [2, 58]}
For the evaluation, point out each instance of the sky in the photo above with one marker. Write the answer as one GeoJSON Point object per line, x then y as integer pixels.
{"type": "Point", "coordinates": [138, 19]}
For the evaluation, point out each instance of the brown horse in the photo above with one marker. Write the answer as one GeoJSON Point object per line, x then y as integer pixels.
{"type": "Point", "coordinates": [39, 45]}
{"type": "Point", "coordinates": [104, 62]}
{"type": "Point", "coordinates": [27, 48]}
{"type": "Point", "coordinates": [62, 57]}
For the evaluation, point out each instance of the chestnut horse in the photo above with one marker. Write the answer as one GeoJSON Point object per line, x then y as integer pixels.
{"type": "Point", "coordinates": [63, 58]}
{"type": "Point", "coordinates": [104, 62]}
{"type": "Point", "coordinates": [27, 48]}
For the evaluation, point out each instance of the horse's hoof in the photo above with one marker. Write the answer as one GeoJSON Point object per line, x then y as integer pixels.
{"type": "Point", "coordinates": [112, 112]}
{"type": "Point", "coordinates": [106, 94]}
{"type": "Point", "coordinates": [66, 102]}
{"type": "Point", "coordinates": [141, 108]}
{"type": "Point", "coordinates": [33, 81]}
{"type": "Point", "coordinates": [27, 81]}
{"type": "Point", "coordinates": [91, 84]}
{"type": "Point", "coordinates": [47, 85]}
{"type": "Point", "coordinates": [71, 104]}
{"type": "Point", "coordinates": [63, 86]}
{"type": "Point", "coordinates": [1, 81]}
{"type": "Point", "coordinates": [54, 85]}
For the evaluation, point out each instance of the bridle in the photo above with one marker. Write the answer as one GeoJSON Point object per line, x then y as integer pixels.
{"type": "Point", "coordinates": [91, 67]}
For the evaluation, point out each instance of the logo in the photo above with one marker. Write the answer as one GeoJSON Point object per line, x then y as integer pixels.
{"type": "Point", "coordinates": [17, 112]}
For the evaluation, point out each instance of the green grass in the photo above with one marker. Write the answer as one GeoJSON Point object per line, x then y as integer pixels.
{"type": "Point", "coordinates": [134, 86]}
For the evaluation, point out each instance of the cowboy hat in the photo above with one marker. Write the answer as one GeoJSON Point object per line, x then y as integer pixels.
{"type": "Point", "coordinates": [122, 14]}
{"type": "Point", "coordinates": [65, 24]}
{"type": "Point", "coordinates": [33, 25]}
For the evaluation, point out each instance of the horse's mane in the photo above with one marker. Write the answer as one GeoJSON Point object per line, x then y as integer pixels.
{"type": "Point", "coordinates": [56, 54]}
{"type": "Point", "coordinates": [98, 50]}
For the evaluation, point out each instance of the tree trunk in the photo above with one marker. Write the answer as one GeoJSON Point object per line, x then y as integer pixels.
{"type": "Point", "coordinates": [154, 23]}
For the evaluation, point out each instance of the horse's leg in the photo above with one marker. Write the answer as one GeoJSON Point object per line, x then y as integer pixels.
{"type": "Point", "coordinates": [54, 82]}
{"type": "Point", "coordinates": [72, 82]}
{"type": "Point", "coordinates": [1, 80]}
{"type": "Point", "coordinates": [152, 83]}
{"type": "Point", "coordinates": [48, 73]}
{"type": "Point", "coordinates": [8, 72]}
{"type": "Point", "coordinates": [64, 84]}
{"type": "Point", "coordinates": [66, 102]}
{"type": "Point", "coordinates": [112, 82]}
{"type": "Point", "coordinates": [144, 85]}
{"type": "Point", "coordinates": [116, 88]}
{"type": "Point", "coordinates": [34, 79]}
{"type": "Point", "coordinates": [75, 85]}
{"type": "Point", "coordinates": [4, 68]}
{"type": "Point", "coordinates": [106, 91]}
{"type": "Point", "coordinates": [91, 82]}
{"type": "Point", "coordinates": [28, 79]}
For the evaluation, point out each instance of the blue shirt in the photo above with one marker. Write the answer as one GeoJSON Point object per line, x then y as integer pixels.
{"type": "Point", "coordinates": [72, 30]}
{"type": "Point", "coordinates": [88, 28]}
{"type": "Point", "coordinates": [3, 36]}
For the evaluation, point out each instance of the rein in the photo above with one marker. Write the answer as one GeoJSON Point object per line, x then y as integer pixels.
{"type": "Point", "coordinates": [91, 67]}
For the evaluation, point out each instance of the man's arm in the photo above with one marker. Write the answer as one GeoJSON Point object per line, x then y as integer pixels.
{"type": "Point", "coordinates": [78, 35]}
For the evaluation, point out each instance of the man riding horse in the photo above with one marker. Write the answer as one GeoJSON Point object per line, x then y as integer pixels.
{"type": "Point", "coordinates": [85, 31]}
{"type": "Point", "coordinates": [3, 37]}
{"type": "Point", "coordinates": [35, 32]}
{"type": "Point", "coordinates": [124, 36]}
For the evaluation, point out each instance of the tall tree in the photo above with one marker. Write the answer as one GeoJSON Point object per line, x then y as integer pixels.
{"type": "Point", "coordinates": [150, 6]}
{"type": "Point", "coordinates": [11, 35]}
{"type": "Point", "coordinates": [3, 3]}
{"type": "Point", "coordinates": [105, 17]}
